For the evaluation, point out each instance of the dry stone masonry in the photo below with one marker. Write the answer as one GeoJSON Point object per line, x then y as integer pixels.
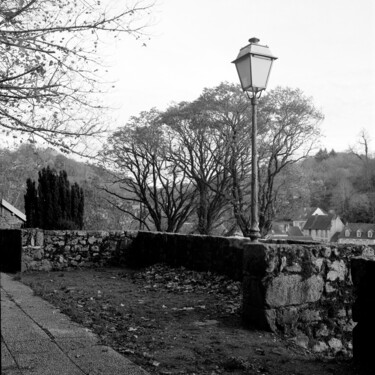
{"type": "Point", "coordinates": [59, 250]}
{"type": "Point", "coordinates": [301, 290]}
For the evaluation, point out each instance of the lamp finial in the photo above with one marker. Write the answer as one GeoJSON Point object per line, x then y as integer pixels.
{"type": "Point", "coordinates": [254, 40]}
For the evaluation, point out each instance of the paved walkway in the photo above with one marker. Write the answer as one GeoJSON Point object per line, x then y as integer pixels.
{"type": "Point", "coordinates": [37, 339]}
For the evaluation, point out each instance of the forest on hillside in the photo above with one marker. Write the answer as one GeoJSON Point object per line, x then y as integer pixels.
{"type": "Point", "coordinates": [16, 166]}
{"type": "Point", "coordinates": [343, 182]}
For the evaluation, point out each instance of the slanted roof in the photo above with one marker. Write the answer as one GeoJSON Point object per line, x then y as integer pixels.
{"type": "Point", "coordinates": [13, 210]}
{"type": "Point", "coordinates": [335, 237]}
{"type": "Point", "coordinates": [318, 222]}
{"type": "Point", "coordinates": [305, 213]}
{"type": "Point", "coordinates": [354, 227]}
{"type": "Point", "coordinates": [295, 232]}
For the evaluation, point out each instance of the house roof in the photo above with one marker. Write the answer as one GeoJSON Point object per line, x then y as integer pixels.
{"type": "Point", "coordinates": [13, 210]}
{"type": "Point", "coordinates": [305, 213]}
{"type": "Point", "coordinates": [335, 237]}
{"type": "Point", "coordinates": [365, 228]}
{"type": "Point", "coordinates": [318, 222]}
{"type": "Point", "coordinates": [295, 232]}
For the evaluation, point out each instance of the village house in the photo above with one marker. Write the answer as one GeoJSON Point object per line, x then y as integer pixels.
{"type": "Point", "coordinates": [357, 234]}
{"type": "Point", "coordinates": [10, 216]}
{"type": "Point", "coordinates": [323, 227]}
{"type": "Point", "coordinates": [284, 230]}
{"type": "Point", "coordinates": [304, 214]}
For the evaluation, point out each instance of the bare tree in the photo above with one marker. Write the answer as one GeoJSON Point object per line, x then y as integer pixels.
{"type": "Point", "coordinates": [138, 155]}
{"type": "Point", "coordinates": [195, 151]}
{"type": "Point", "coordinates": [49, 70]}
{"type": "Point", "coordinates": [288, 132]}
{"type": "Point", "coordinates": [228, 111]}
{"type": "Point", "coordinates": [362, 152]}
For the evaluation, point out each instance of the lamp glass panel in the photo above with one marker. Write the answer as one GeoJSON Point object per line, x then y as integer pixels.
{"type": "Point", "coordinates": [243, 69]}
{"type": "Point", "coordinates": [260, 67]}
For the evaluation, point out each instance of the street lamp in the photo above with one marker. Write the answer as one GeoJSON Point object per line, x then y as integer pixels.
{"type": "Point", "coordinates": [253, 65]}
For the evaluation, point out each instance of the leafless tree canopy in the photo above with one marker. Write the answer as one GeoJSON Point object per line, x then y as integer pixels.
{"type": "Point", "coordinates": [49, 70]}
{"type": "Point", "coordinates": [202, 149]}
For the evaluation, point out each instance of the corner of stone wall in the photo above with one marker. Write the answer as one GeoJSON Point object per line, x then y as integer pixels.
{"type": "Point", "coordinates": [256, 261]}
{"type": "Point", "coordinates": [302, 291]}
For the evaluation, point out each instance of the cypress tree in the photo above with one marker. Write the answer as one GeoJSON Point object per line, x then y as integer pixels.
{"type": "Point", "coordinates": [55, 204]}
{"type": "Point", "coordinates": [81, 206]}
{"type": "Point", "coordinates": [64, 196]}
{"type": "Point", "coordinates": [49, 209]}
{"type": "Point", "coordinates": [75, 202]}
{"type": "Point", "coordinates": [31, 204]}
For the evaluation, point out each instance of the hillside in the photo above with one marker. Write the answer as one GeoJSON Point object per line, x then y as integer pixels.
{"type": "Point", "coordinates": [343, 182]}
{"type": "Point", "coordinates": [18, 165]}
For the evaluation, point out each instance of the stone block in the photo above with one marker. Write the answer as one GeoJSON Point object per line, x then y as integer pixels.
{"type": "Point", "coordinates": [322, 331]}
{"type": "Point", "coordinates": [302, 340]}
{"type": "Point", "coordinates": [288, 317]}
{"type": "Point", "coordinates": [38, 254]}
{"type": "Point", "coordinates": [335, 344]}
{"type": "Point", "coordinates": [39, 238]}
{"type": "Point", "coordinates": [329, 288]}
{"type": "Point", "coordinates": [283, 263]}
{"type": "Point", "coordinates": [337, 270]}
{"type": "Point", "coordinates": [295, 268]}
{"type": "Point", "coordinates": [327, 251]}
{"type": "Point", "coordinates": [91, 240]}
{"type": "Point", "coordinates": [320, 347]}
{"type": "Point", "coordinates": [318, 263]}
{"type": "Point", "coordinates": [310, 316]}
{"type": "Point", "coordinates": [289, 290]}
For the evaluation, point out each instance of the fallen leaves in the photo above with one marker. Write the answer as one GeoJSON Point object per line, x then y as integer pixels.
{"type": "Point", "coordinates": [181, 280]}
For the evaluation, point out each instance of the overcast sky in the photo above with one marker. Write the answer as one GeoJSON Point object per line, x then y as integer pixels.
{"type": "Point", "coordinates": [325, 47]}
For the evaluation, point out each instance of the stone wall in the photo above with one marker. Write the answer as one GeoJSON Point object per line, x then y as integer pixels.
{"type": "Point", "coordinates": [223, 255]}
{"type": "Point", "coordinates": [59, 250]}
{"type": "Point", "coordinates": [302, 290]}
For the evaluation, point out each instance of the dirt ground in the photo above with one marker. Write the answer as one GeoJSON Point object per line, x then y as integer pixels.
{"type": "Point", "coordinates": [175, 321]}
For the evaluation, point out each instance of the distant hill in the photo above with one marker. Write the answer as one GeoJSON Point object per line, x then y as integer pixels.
{"type": "Point", "coordinates": [18, 165]}
{"type": "Point", "coordinates": [342, 182]}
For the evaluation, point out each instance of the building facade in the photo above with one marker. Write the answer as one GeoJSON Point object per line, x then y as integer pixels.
{"type": "Point", "coordinates": [323, 227]}
{"type": "Point", "coordinates": [358, 234]}
{"type": "Point", "coordinates": [10, 216]}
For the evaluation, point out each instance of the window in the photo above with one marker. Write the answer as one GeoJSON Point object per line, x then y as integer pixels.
{"type": "Point", "coordinates": [370, 233]}
{"type": "Point", "coordinates": [359, 233]}
{"type": "Point", "coordinates": [347, 233]}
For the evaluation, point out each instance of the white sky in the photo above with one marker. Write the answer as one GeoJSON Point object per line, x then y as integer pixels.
{"type": "Point", "coordinates": [325, 47]}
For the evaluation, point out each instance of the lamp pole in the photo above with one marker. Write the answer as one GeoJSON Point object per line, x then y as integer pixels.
{"type": "Point", "coordinates": [253, 64]}
{"type": "Point", "coordinates": [254, 229]}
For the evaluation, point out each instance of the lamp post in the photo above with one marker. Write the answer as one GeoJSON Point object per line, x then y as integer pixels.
{"type": "Point", "coordinates": [253, 65]}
